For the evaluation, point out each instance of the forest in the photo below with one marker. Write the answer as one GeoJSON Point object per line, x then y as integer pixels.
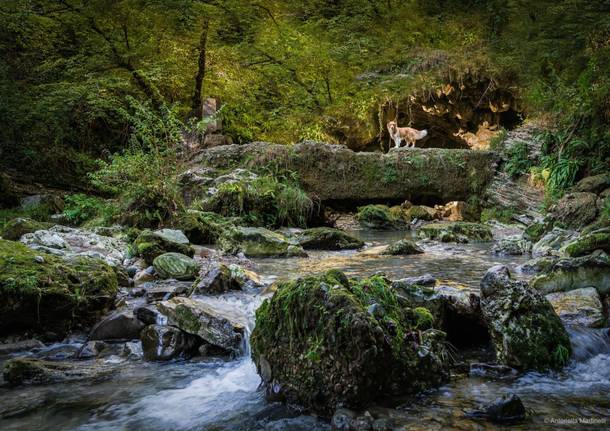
{"type": "Point", "coordinates": [304, 215]}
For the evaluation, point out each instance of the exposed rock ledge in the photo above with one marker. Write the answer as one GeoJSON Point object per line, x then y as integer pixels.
{"type": "Point", "coordinates": [333, 172]}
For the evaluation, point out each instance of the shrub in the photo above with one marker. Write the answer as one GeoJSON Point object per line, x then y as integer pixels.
{"type": "Point", "coordinates": [80, 208]}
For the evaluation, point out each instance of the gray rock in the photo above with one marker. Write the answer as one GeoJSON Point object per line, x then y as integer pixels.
{"type": "Point", "coordinates": [162, 343]}
{"type": "Point", "coordinates": [176, 265]}
{"type": "Point", "coordinates": [575, 210]}
{"type": "Point", "coordinates": [551, 242]}
{"type": "Point", "coordinates": [20, 346]}
{"type": "Point", "coordinates": [402, 247]}
{"type": "Point", "coordinates": [512, 246]}
{"type": "Point", "coordinates": [217, 280]}
{"type": "Point", "coordinates": [507, 409]}
{"type": "Point", "coordinates": [117, 326]}
{"type": "Point", "coordinates": [20, 371]}
{"type": "Point", "coordinates": [578, 307]}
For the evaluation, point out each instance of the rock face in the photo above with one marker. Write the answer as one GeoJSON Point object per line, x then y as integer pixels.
{"type": "Point", "coordinates": [118, 326]}
{"type": "Point", "coordinates": [18, 227]}
{"type": "Point", "coordinates": [461, 232]}
{"type": "Point", "coordinates": [578, 307]}
{"type": "Point", "coordinates": [40, 291]}
{"type": "Point", "coordinates": [325, 341]}
{"type": "Point", "coordinates": [257, 242]}
{"type": "Point", "coordinates": [594, 184]}
{"type": "Point", "coordinates": [415, 174]}
{"type": "Point", "coordinates": [575, 210]}
{"type": "Point", "coordinates": [176, 265]}
{"type": "Point", "coordinates": [69, 242]}
{"type": "Point", "coordinates": [576, 273]}
{"type": "Point", "coordinates": [212, 325]}
{"type": "Point", "coordinates": [326, 238]}
{"type": "Point", "coordinates": [402, 247]}
{"type": "Point", "coordinates": [524, 329]}
{"type": "Point", "coordinates": [380, 217]}
{"type": "Point", "coordinates": [163, 343]}
{"type": "Point", "coordinates": [150, 244]}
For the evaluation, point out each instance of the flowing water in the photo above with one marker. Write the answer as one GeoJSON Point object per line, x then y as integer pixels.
{"type": "Point", "coordinates": [223, 395]}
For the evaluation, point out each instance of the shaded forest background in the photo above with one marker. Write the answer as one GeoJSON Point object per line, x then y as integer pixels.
{"type": "Point", "coordinates": [82, 83]}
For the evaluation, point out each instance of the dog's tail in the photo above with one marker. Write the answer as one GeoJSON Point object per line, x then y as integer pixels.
{"type": "Point", "coordinates": [422, 134]}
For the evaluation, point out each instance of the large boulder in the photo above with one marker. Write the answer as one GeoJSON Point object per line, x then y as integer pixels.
{"type": "Point", "coordinates": [176, 265]}
{"type": "Point", "coordinates": [327, 238]}
{"type": "Point", "coordinates": [578, 307]}
{"type": "Point", "coordinates": [380, 217]}
{"type": "Point", "coordinates": [324, 341]}
{"type": "Point", "coordinates": [456, 211]}
{"type": "Point", "coordinates": [21, 371]}
{"type": "Point", "coordinates": [333, 172]}
{"type": "Point", "coordinates": [150, 244]}
{"type": "Point", "coordinates": [163, 343]}
{"type": "Point", "coordinates": [215, 326]}
{"type": "Point", "coordinates": [461, 232]}
{"type": "Point", "coordinates": [218, 279]}
{"type": "Point", "coordinates": [257, 242]}
{"type": "Point", "coordinates": [202, 227]}
{"type": "Point", "coordinates": [402, 247]}
{"type": "Point", "coordinates": [551, 242]}
{"type": "Point", "coordinates": [524, 329]}
{"type": "Point", "coordinates": [593, 184]}
{"type": "Point", "coordinates": [514, 245]}
{"type": "Point", "coordinates": [18, 227]}
{"type": "Point", "coordinates": [120, 325]}
{"type": "Point", "coordinates": [588, 243]}
{"type": "Point", "coordinates": [576, 273]}
{"type": "Point", "coordinates": [70, 242]}
{"type": "Point", "coordinates": [575, 210]}
{"type": "Point", "coordinates": [40, 291]}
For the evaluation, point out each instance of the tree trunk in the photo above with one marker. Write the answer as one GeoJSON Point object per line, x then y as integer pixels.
{"type": "Point", "coordinates": [197, 104]}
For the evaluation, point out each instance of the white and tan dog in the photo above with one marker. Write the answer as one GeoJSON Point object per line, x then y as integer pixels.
{"type": "Point", "coordinates": [409, 134]}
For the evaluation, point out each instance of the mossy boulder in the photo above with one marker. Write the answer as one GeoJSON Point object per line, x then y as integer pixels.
{"type": "Point", "coordinates": [202, 227]}
{"type": "Point", "coordinates": [327, 238]}
{"type": "Point", "coordinates": [512, 246]}
{"type": "Point", "coordinates": [380, 217]}
{"type": "Point", "coordinates": [524, 329]}
{"type": "Point", "coordinates": [575, 273]}
{"type": "Point", "coordinates": [326, 341]}
{"type": "Point", "coordinates": [150, 244]}
{"type": "Point", "coordinates": [587, 244]}
{"type": "Point", "coordinates": [535, 231]}
{"type": "Point", "coordinates": [45, 292]}
{"type": "Point", "coordinates": [420, 212]}
{"type": "Point", "coordinates": [593, 184]}
{"type": "Point", "coordinates": [257, 242]}
{"type": "Point", "coordinates": [18, 227]}
{"type": "Point", "coordinates": [176, 265]}
{"type": "Point", "coordinates": [551, 242]}
{"type": "Point", "coordinates": [582, 307]}
{"type": "Point", "coordinates": [163, 343]}
{"type": "Point", "coordinates": [461, 232]}
{"type": "Point", "coordinates": [402, 247]}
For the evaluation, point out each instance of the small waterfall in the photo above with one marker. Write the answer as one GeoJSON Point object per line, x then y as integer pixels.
{"type": "Point", "coordinates": [588, 342]}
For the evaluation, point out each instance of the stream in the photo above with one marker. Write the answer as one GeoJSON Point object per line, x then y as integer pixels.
{"type": "Point", "coordinates": [221, 395]}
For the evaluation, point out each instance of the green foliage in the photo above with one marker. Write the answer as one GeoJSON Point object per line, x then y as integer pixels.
{"type": "Point", "coordinates": [263, 201]}
{"type": "Point", "coordinates": [518, 162]}
{"type": "Point", "coordinates": [503, 215]}
{"type": "Point", "coordinates": [80, 208]}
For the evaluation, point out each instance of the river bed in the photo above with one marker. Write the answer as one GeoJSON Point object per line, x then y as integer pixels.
{"type": "Point", "coordinates": [223, 395]}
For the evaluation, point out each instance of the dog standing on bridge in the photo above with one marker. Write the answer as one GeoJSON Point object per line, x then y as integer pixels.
{"type": "Point", "coordinates": [409, 134]}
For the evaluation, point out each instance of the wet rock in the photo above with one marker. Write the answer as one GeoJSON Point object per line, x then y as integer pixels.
{"type": "Point", "coordinates": [176, 265]}
{"type": "Point", "coordinates": [151, 244]}
{"type": "Point", "coordinates": [213, 325]}
{"type": "Point", "coordinates": [306, 357]}
{"type": "Point", "coordinates": [53, 294]}
{"type": "Point", "coordinates": [578, 307]}
{"type": "Point", "coordinates": [21, 371]}
{"type": "Point", "coordinates": [163, 343]}
{"type": "Point", "coordinates": [493, 371]}
{"type": "Point", "coordinates": [421, 212]}
{"type": "Point", "coordinates": [163, 290]}
{"type": "Point", "coordinates": [593, 184]}
{"type": "Point", "coordinates": [148, 315]}
{"type": "Point", "coordinates": [144, 276]}
{"type": "Point", "coordinates": [551, 242]}
{"type": "Point", "coordinates": [257, 242]}
{"type": "Point", "coordinates": [121, 325]}
{"type": "Point", "coordinates": [326, 238]}
{"type": "Point", "coordinates": [299, 423]}
{"type": "Point", "coordinates": [512, 246]}
{"type": "Point", "coordinates": [16, 228]}
{"type": "Point", "coordinates": [218, 279]}
{"type": "Point", "coordinates": [69, 242]}
{"type": "Point", "coordinates": [408, 282]}
{"type": "Point", "coordinates": [537, 265]}
{"type": "Point", "coordinates": [247, 279]}
{"type": "Point", "coordinates": [524, 329]}
{"type": "Point", "coordinates": [402, 247]}
{"type": "Point", "coordinates": [575, 210]}
{"type": "Point", "coordinates": [535, 231]}
{"type": "Point", "coordinates": [586, 244]}
{"type": "Point", "coordinates": [20, 346]}
{"type": "Point", "coordinates": [460, 232]}
{"type": "Point", "coordinates": [507, 409]}
{"type": "Point", "coordinates": [576, 273]}
{"type": "Point", "coordinates": [380, 217]}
